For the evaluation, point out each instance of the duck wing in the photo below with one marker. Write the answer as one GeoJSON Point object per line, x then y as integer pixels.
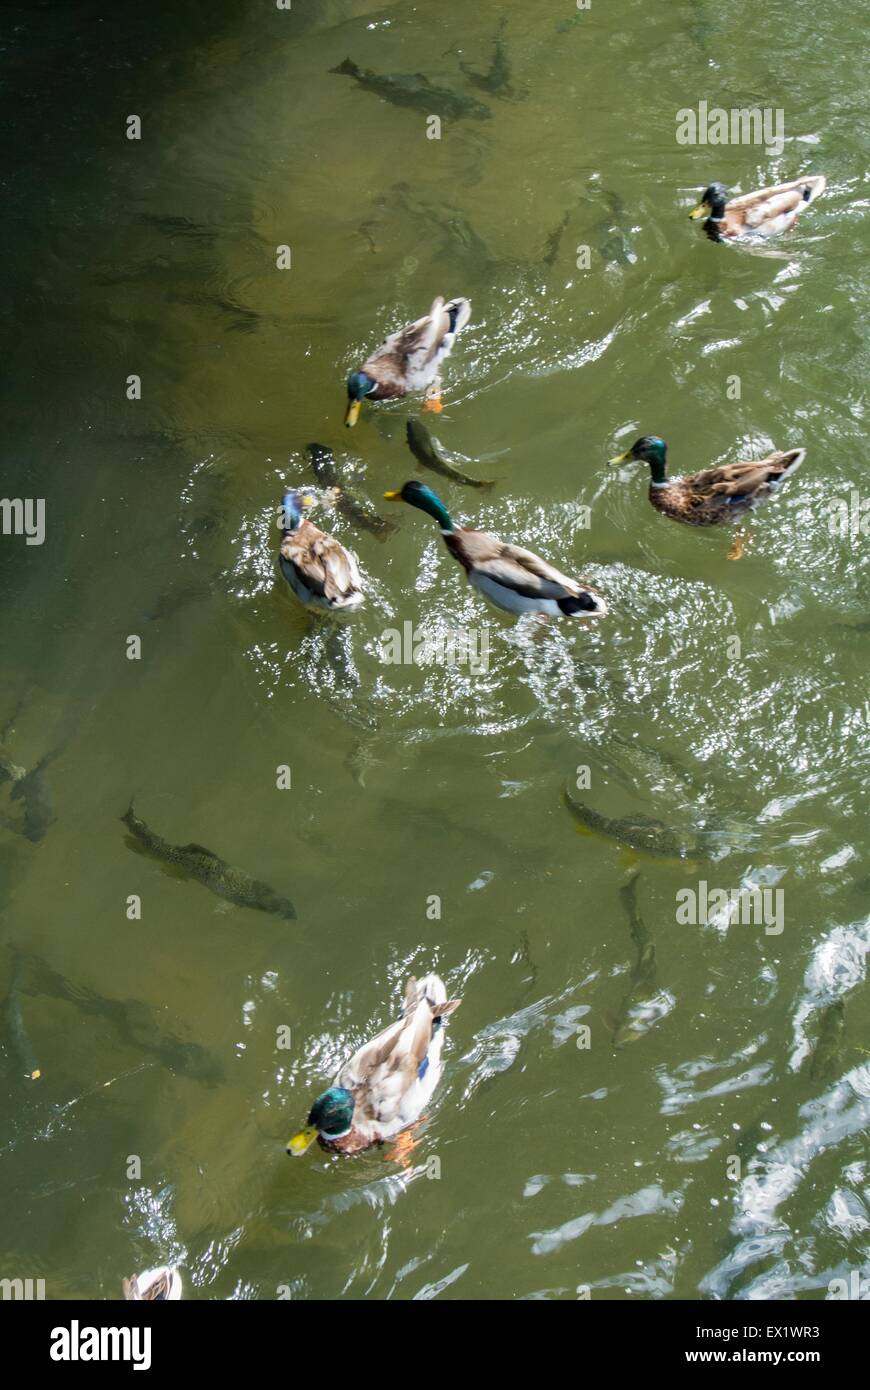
{"type": "Point", "coordinates": [417, 339]}
{"type": "Point", "coordinates": [512, 566]}
{"type": "Point", "coordinates": [419, 343]}
{"type": "Point", "coordinates": [323, 564]}
{"type": "Point", "coordinates": [382, 1071]}
{"type": "Point", "coordinates": [741, 481]}
{"type": "Point", "coordinates": [753, 210]}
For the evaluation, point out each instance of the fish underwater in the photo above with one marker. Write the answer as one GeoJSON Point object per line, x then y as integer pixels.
{"type": "Point", "coordinates": [639, 834]}
{"type": "Point", "coordinates": [414, 90]}
{"type": "Point", "coordinates": [422, 447]}
{"type": "Point", "coordinates": [426, 821]}
{"type": "Point", "coordinates": [638, 1013]}
{"type": "Point", "coordinates": [523, 956]}
{"type": "Point", "coordinates": [700, 28]}
{"type": "Point", "coordinates": [135, 1021]}
{"type": "Point", "coordinates": [14, 1031]}
{"type": "Point", "coordinates": [34, 791]}
{"type": "Point", "coordinates": [612, 241]}
{"type": "Point", "coordinates": [458, 238]}
{"type": "Point", "coordinates": [205, 866]}
{"type": "Point", "coordinates": [565, 24]}
{"type": "Point", "coordinates": [716, 824]}
{"type": "Point", "coordinates": [179, 226]}
{"type": "Point", "coordinates": [828, 1052]}
{"type": "Point", "coordinates": [637, 928]}
{"type": "Point", "coordinates": [553, 243]}
{"type": "Point", "coordinates": [240, 318]}
{"type": "Point", "coordinates": [354, 508]}
{"type": "Point", "coordinates": [497, 78]}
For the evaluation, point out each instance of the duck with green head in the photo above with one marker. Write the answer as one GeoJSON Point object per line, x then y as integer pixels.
{"type": "Point", "coordinates": [514, 579]}
{"type": "Point", "coordinates": [385, 1086]}
{"type": "Point", "coordinates": [767, 213]}
{"type": "Point", "coordinates": [714, 496]}
{"type": "Point", "coordinates": [409, 359]}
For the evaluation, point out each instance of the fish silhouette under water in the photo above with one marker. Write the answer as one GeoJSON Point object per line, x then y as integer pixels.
{"type": "Point", "coordinates": [351, 506]}
{"type": "Point", "coordinates": [640, 834]}
{"type": "Point", "coordinates": [636, 1013]}
{"type": "Point", "coordinates": [613, 241]}
{"type": "Point", "coordinates": [422, 447]}
{"type": "Point", "coordinates": [828, 1051]}
{"type": "Point", "coordinates": [14, 1029]}
{"type": "Point", "coordinates": [135, 1021]}
{"type": "Point", "coordinates": [209, 869]}
{"type": "Point", "coordinates": [414, 89]}
{"type": "Point", "coordinates": [497, 78]}
{"type": "Point", "coordinates": [34, 792]}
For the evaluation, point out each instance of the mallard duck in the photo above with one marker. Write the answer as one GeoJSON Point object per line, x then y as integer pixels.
{"type": "Point", "coordinates": [767, 213]}
{"type": "Point", "coordinates": [321, 573]}
{"type": "Point", "coordinates": [388, 1082]}
{"type": "Point", "coordinates": [512, 578]}
{"type": "Point", "coordinates": [155, 1285]}
{"type": "Point", "coordinates": [715, 496]}
{"type": "Point", "coordinates": [409, 359]}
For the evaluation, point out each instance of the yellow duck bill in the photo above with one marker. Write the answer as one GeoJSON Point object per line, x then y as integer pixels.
{"type": "Point", "coordinates": [622, 458]}
{"type": "Point", "coordinates": [393, 496]}
{"type": "Point", "coordinates": [301, 1142]}
{"type": "Point", "coordinates": [702, 210]}
{"type": "Point", "coordinates": [351, 415]}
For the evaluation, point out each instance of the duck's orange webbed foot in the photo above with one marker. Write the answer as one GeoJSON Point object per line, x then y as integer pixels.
{"type": "Point", "coordinates": [405, 1144]}
{"type": "Point", "coordinates": [738, 546]}
{"type": "Point", "coordinates": [432, 399]}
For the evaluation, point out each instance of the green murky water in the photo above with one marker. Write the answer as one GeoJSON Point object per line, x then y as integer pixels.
{"type": "Point", "coordinates": [560, 1166]}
